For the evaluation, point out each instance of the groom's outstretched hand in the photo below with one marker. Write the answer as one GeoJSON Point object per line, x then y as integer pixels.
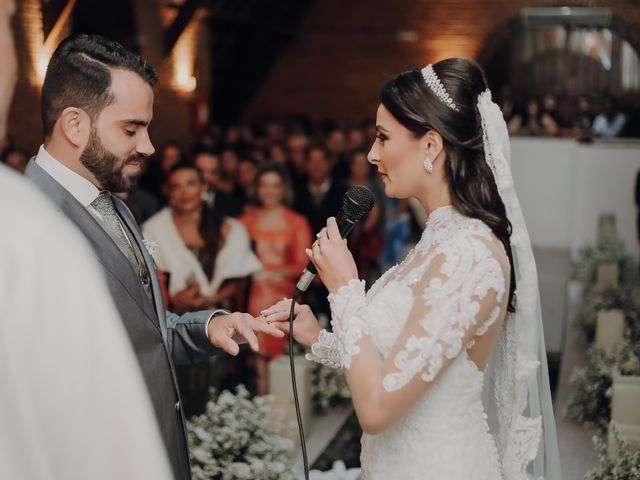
{"type": "Point", "coordinates": [229, 331]}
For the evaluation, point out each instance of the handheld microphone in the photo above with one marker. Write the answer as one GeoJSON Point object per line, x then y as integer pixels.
{"type": "Point", "coordinates": [356, 203]}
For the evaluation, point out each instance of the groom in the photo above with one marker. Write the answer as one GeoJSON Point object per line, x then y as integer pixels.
{"type": "Point", "coordinates": [97, 104]}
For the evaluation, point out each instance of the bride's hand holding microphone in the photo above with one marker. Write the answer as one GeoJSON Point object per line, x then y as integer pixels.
{"type": "Point", "coordinates": [332, 258]}
{"type": "Point", "coordinates": [336, 268]}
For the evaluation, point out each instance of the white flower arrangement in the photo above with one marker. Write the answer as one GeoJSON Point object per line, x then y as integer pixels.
{"type": "Point", "coordinates": [232, 440]}
{"type": "Point", "coordinates": [623, 297]}
{"type": "Point", "coordinates": [328, 387]}
{"type": "Point", "coordinates": [590, 401]}
{"type": "Point", "coordinates": [608, 249]}
{"type": "Point", "coordinates": [625, 467]}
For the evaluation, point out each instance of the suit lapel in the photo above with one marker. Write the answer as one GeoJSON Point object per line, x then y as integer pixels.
{"type": "Point", "coordinates": [106, 250]}
{"type": "Point", "coordinates": [131, 223]}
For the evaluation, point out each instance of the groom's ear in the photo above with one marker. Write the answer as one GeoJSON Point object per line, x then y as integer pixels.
{"type": "Point", "coordinates": [75, 125]}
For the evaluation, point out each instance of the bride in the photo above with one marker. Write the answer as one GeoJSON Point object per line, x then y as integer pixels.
{"type": "Point", "coordinates": [446, 370]}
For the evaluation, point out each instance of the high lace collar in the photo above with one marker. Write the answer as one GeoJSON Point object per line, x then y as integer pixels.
{"type": "Point", "coordinates": [440, 214]}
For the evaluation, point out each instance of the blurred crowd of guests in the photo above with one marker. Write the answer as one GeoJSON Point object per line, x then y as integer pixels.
{"type": "Point", "coordinates": [581, 117]}
{"type": "Point", "coordinates": [229, 218]}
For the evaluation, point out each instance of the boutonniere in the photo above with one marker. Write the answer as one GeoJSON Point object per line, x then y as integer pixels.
{"type": "Point", "coordinates": [151, 246]}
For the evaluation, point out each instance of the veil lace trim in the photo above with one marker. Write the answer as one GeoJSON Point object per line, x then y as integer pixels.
{"type": "Point", "coordinates": [517, 386]}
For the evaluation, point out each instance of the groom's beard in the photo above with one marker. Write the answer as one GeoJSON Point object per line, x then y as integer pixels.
{"type": "Point", "coordinates": [108, 167]}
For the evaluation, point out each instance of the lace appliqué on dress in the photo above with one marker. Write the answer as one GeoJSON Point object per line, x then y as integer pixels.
{"type": "Point", "coordinates": [452, 299]}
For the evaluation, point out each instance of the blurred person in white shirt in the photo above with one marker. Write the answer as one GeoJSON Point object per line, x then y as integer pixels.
{"type": "Point", "coordinates": [63, 350]}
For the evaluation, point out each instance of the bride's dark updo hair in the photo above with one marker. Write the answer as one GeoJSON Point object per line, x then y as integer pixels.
{"type": "Point", "coordinates": [473, 188]}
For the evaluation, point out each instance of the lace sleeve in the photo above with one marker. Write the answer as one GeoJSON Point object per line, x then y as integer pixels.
{"type": "Point", "coordinates": [348, 311]}
{"type": "Point", "coordinates": [325, 350]}
{"type": "Point", "coordinates": [458, 290]}
{"type": "Point", "coordinates": [348, 319]}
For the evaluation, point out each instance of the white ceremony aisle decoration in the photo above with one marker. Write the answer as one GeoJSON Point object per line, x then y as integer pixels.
{"type": "Point", "coordinates": [624, 466]}
{"type": "Point", "coordinates": [609, 321]}
{"type": "Point", "coordinates": [233, 440]}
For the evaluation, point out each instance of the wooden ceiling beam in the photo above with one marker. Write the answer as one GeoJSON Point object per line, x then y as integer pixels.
{"type": "Point", "coordinates": [172, 32]}
{"type": "Point", "coordinates": [55, 14]}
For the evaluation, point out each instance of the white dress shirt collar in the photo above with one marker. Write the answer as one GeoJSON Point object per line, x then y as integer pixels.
{"type": "Point", "coordinates": [82, 189]}
{"type": "Point", "coordinates": [321, 189]}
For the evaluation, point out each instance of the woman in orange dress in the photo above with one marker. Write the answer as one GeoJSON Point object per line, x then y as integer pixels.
{"type": "Point", "coordinates": [280, 236]}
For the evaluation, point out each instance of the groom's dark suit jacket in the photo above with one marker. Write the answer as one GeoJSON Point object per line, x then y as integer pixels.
{"type": "Point", "coordinates": [159, 338]}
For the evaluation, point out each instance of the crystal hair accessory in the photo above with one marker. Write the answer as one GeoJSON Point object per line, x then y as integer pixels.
{"type": "Point", "coordinates": [434, 83]}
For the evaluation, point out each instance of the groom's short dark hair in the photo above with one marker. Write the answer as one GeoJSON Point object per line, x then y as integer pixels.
{"type": "Point", "coordinates": [79, 76]}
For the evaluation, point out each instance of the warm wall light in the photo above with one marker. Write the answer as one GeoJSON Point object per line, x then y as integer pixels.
{"type": "Point", "coordinates": [31, 13]}
{"type": "Point", "coordinates": [183, 58]}
{"type": "Point", "coordinates": [39, 50]}
{"type": "Point", "coordinates": [41, 62]}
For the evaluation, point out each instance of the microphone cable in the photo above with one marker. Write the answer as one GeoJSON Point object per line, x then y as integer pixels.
{"type": "Point", "coordinates": [305, 460]}
{"type": "Point", "coordinates": [356, 204]}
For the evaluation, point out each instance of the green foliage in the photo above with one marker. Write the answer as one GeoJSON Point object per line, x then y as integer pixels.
{"type": "Point", "coordinates": [590, 401]}
{"type": "Point", "coordinates": [608, 249]}
{"type": "Point", "coordinates": [623, 297]}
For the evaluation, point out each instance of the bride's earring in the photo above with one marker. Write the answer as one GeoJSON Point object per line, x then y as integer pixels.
{"type": "Point", "coordinates": [428, 165]}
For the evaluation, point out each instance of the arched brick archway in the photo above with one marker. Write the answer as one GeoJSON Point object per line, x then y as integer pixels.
{"type": "Point", "coordinates": [497, 57]}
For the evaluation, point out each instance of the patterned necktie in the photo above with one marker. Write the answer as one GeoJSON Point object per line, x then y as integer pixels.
{"type": "Point", "coordinates": [111, 223]}
{"type": "Point", "coordinates": [115, 229]}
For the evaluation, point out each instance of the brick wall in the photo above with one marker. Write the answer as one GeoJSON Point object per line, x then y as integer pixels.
{"type": "Point", "coordinates": [335, 70]}
{"type": "Point", "coordinates": [348, 49]}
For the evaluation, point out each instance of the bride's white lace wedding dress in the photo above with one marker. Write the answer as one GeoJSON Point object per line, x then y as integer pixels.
{"type": "Point", "coordinates": [425, 314]}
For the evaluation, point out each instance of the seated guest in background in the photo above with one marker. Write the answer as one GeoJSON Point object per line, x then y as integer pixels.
{"type": "Point", "coordinates": [584, 111]}
{"type": "Point", "coordinates": [16, 159]}
{"type": "Point", "coordinates": [533, 122]}
{"type": "Point", "coordinates": [280, 236]}
{"type": "Point", "coordinates": [277, 153]}
{"type": "Point", "coordinates": [219, 202]}
{"type": "Point", "coordinates": [207, 256]}
{"type": "Point", "coordinates": [210, 136]}
{"type": "Point", "coordinates": [246, 174]}
{"type": "Point", "coordinates": [583, 119]}
{"type": "Point", "coordinates": [550, 108]}
{"type": "Point", "coordinates": [335, 143]}
{"type": "Point", "coordinates": [320, 196]}
{"type": "Point", "coordinates": [611, 121]}
{"type": "Point", "coordinates": [296, 147]}
{"type": "Point", "coordinates": [355, 139]}
{"type": "Point", "coordinates": [229, 161]}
